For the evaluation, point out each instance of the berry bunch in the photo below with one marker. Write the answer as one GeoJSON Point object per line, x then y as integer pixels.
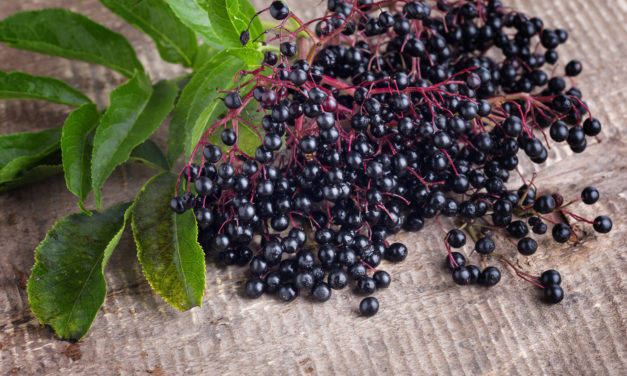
{"type": "Point", "coordinates": [377, 117]}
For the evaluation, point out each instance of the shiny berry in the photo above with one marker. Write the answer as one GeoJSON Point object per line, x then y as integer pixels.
{"type": "Point", "coordinates": [602, 224]}
{"type": "Point", "coordinates": [369, 306]}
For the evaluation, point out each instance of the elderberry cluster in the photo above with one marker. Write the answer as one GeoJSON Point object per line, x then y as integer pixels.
{"type": "Point", "coordinates": [392, 115]}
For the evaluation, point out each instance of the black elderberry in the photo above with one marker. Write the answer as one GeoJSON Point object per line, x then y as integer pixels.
{"type": "Point", "coordinates": [337, 279]}
{"type": "Point", "coordinates": [321, 292]}
{"type": "Point", "coordinates": [553, 294]}
{"type": "Point", "coordinates": [233, 101]}
{"type": "Point", "coordinates": [602, 224]}
{"type": "Point", "coordinates": [462, 276]}
{"type": "Point", "coordinates": [369, 306]}
{"type": "Point", "coordinates": [365, 286]}
{"type": "Point", "coordinates": [459, 259]}
{"type": "Point", "coordinates": [176, 204]}
{"type": "Point", "coordinates": [304, 280]}
{"type": "Point", "coordinates": [396, 252]}
{"type": "Point", "coordinates": [544, 204]}
{"type": "Point", "coordinates": [279, 10]}
{"type": "Point", "coordinates": [456, 238]}
{"type": "Point", "coordinates": [527, 246]}
{"type": "Point", "coordinates": [485, 246]}
{"type": "Point", "coordinates": [270, 58]}
{"type": "Point", "coordinates": [382, 279]}
{"type": "Point", "coordinates": [590, 195]}
{"type": "Point", "coordinates": [490, 276]}
{"type": "Point", "coordinates": [212, 153]}
{"type": "Point", "coordinates": [357, 271]}
{"type": "Point", "coordinates": [591, 127]}
{"type": "Point", "coordinates": [517, 229]}
{"type": "Point", "coordinates": [561, 232]}
{"type": "Point", "coordinates": [254, 288]}
{"type": "Point", "coordinates": [475, 273]}
{"type": "Point", "coordinates": [272, 282]}
{"type": "Point", "coordinates": [258, 265]}
{"type": "Point", "coordinates": [550, 277]}
{"type": "Point", "coordinates": [228, 137]}
{"type": "Point", "coordinates": [287, 292]}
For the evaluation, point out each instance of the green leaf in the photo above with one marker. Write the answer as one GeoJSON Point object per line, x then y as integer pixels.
{"type": "Point", "coordinates": [175, 42]}
{"type": "Point", "coordinates": [33, 175]}
{"type": "Point", "coordinates": [199, 105]}
{"type": "Point", "coordinates": [167, 247]}
{"type": "Point", "coordinates": [61, 32]}
{"type": "Point", "coordinates": [19, 85]}
{"type": "Point", "coordinates": [204, 54]}
{"type": "Point", "coordinates": [76, 147]}
{"type": "Point", "coordinates": [195, 15]}
{"type": "Point", "coordinates": [230, 17]}
{"type": "Point", "coordinates": [253, 58]}
{"type": "Point", "coordinates": [67, 285]}
{"type": "Point", "coordinates": [20, 151]}
{"type": "Point", "coordinates": [134, 114]}
{"type": "Point", "coordinates": [150, 154]}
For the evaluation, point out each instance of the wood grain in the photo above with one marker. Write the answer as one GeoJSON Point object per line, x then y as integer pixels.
{"type": "Point", "coordinates": [427, 325]}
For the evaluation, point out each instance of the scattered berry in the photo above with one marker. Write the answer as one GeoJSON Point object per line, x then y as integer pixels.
{"type": "Point", "coordinates": [369, 306]}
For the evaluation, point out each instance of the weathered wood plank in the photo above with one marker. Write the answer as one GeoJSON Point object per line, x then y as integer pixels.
{"type": "Point", "coordinates": [426, 325]}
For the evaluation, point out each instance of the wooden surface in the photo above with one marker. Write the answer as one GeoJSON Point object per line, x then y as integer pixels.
{"type": "Point", "coordinates": [426, 324]}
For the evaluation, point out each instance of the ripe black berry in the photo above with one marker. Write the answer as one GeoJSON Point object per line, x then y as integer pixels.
{"type": "Point", "coordinates": [321, 292]}
{"type": "Point", "coordinates": [382, 279]}
{"type": "Point", "coordinates": [553, 294]}
{"type": "Point", "coordinates": [337, 279]}
{"type": "Point", "coordinates": [527, 246]}
{"type": "Point", "coordinates": [254, 288]}
{"type": "Point", "coordinates": [365, 286]}
{"type": "Point", "coordinates": [485, 246]}
{"type": "Point", "coordinates": [544, 204]}
{"type": "Point", "coordinates": [459, 259]}
{"type": "Point", "coordinates": [279, 10]}
{"type": "Point", "coordinates": [590, 195]}
{"type": "Point", "coordinates": [573, 68]}
{"type": "Point", "coordinates": [456, 238]}
{"type": "Point", "coordinates": [490, 276]}
{"type": "Point", "coordinates": [287, 292]}
{"type": "Point", "coordinates": [461, 275]}
{"type": "Point", "coordinates": [602, 224]}
{"type": "Point", "coordinates": [550, 277]}
{"type": "Point", "coordinates": [396, 252]}
{"type": "Point", "coordinates": [233, 101]}
{"type": "Point", "coordinates": [369, 306]}
{"type": "Point", "coordinates": [561, 232]}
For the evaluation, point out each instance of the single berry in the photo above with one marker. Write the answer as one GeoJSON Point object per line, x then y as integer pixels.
{"type": "Point", "coordinates": [553, 294]}
{"type": "Point", "coordinates": [561, 232]}
{"type": "Point", "coordinates": [369, 306]}
{"type": "Point", "coordinates": [366, 286]}
{"type": "Point", "coordinates": [590, 195]}
{"type": "Point", "coordinates": [288, 292]}
{"type": "Point", "coordinates": [233, 101]}
{"type": "Point", "coordinates": [550, 277]}
{"type": "Point", "coordinates": [490, 276]}
{"type": "Point", "coordinates": [321, 292]}
{"type": "Point", "coordinates": [527, 246]}
{"type": "Point", "coordinates": [459, 259]}
{"type": "Point", "coordinates": [602, 224]}
{"type": "Point", "coordinates": [456, 238]}
{"type": "Point", "coordinates": [279, 10]}
{"type": "Point", "coordinates": [254, 288]}
{"type": "Point", "coordinates": [462, 276]}
{"type": "Point", "coordinates": [382, 279]}
{"type": "Point", "coordinates": [485, 246]}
